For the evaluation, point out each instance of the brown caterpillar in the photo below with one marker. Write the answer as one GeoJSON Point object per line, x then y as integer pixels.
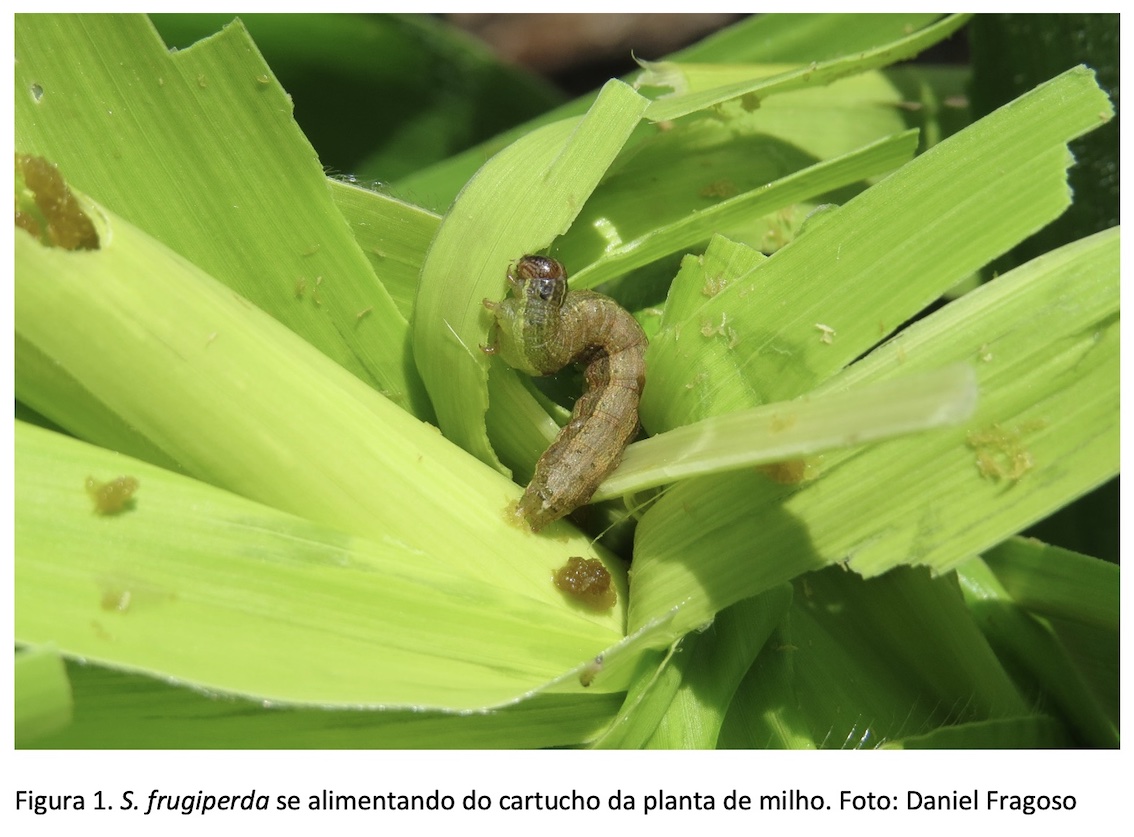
{"type": "Point", "coordinates": [541, 328]}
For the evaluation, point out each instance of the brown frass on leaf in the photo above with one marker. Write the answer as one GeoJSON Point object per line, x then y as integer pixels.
{"type": "Point", "coordinates": [587, 580]}
{"type": "Point", "coordinates": [114, 496]}
{"type": "Point", "coordinates": [47, 209]}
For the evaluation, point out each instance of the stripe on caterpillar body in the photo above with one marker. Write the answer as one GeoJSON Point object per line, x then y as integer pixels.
{"type": "Point", "coordinates": [541, 328]}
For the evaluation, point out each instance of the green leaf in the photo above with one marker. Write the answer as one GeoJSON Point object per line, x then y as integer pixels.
{"type": "Point", "coordinates": [930, 225]}
{"type": "Point", "coordinates": [1046, 430]}
{"type": "Point", "coordinates": [809, 426]}
{"type": "Point", "coordinates": [713, 665]}
{"type": "Point", "coordinates": [531, 191]}
{"type": "Point", "coordinates": [1013, 52]}
{"type": "Point", "coordinates": [152, 132]}
{"type": "Point", "coordinates": [244, 404]}
{"type": "Point", "coordinates": [702, 535]}
{"type": "Point", "coordinates": [1030, 732]}
{"type": "Point", "coordinates": [699, 223]}
{"type": "Point", "coordinates": [380, 95]}
{"type": "Point", "coordinates": [705, 90]}
{"type": "Point", "coordinates": [43, 704]}
{"type": "Point", "coordinates": [765, 712]}
{"type": "Point", "coordinates": [393, 235]}
{"type": "Point", "coordinates": [306, 501]}
{"type": "Point", "coordinates": [861, 662]}
{"type": "Point", "coordinates": [296, 606]}
{"type": "Point", "coordinates": [774, 38]}
{"type": "Point", "coordinates": [1052, 616]}
{"type": "Point", "coordinates": [1057, 583]}
{"type": "Point", "coordinates": [118, 710]}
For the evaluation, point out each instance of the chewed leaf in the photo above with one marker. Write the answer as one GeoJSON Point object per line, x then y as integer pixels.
{"type": "Point", "coordinates": [209, 372]}
{"type": "Point", "coordinates": [307, 613]}
{"type": "Point", "coordinates": [237, 523]}
{"type": "Point", "coordinates": [516, 204]}
{"type": "Point", "coordinates": [795, 319]}
{"type": "Point", "coordinates": [705, 88]}
{"type": "Point", "coordinates": [47, 209]}
{"type": "Point", "coordinates": [682, 78]}
{"type": "Point", "coordinates": [199, 147]}
{"type": "Point", "coordinates": [785, 430]}
{"type": "Point", "coordinates": [1050, 332]}
{"type": "Point", "coordinates": [694, 227]}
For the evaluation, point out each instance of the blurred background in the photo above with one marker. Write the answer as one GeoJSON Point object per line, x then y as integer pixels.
{"type": "Point", "coordinates": [578, 52]}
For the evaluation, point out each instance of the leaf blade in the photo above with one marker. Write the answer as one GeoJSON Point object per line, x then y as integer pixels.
{"type": "Point", "coordinates": [531, 190]}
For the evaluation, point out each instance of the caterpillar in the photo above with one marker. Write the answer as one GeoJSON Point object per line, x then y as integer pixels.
{"type": "Point", "coordinates": [541, 327]}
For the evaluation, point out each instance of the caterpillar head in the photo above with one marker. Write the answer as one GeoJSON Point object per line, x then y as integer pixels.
{"type": "Point", "coordinates": [538, 281]}
{"type": "Point", "coordinates": [527, 320]}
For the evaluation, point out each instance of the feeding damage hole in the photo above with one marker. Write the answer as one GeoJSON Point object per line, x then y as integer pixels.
{"type": "Point", "coordinates": [789, 472]}
{"type": "Point", "coordinates": [587, 580]}
{"type": "Point", "coordinates": [47, 209]}
{"type": "Point", "coordinates": [36, 92]}
{"type": "Point", "coordinates": [1000, 451]}
{"type": "Point", "coordinates": [112, 497]}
